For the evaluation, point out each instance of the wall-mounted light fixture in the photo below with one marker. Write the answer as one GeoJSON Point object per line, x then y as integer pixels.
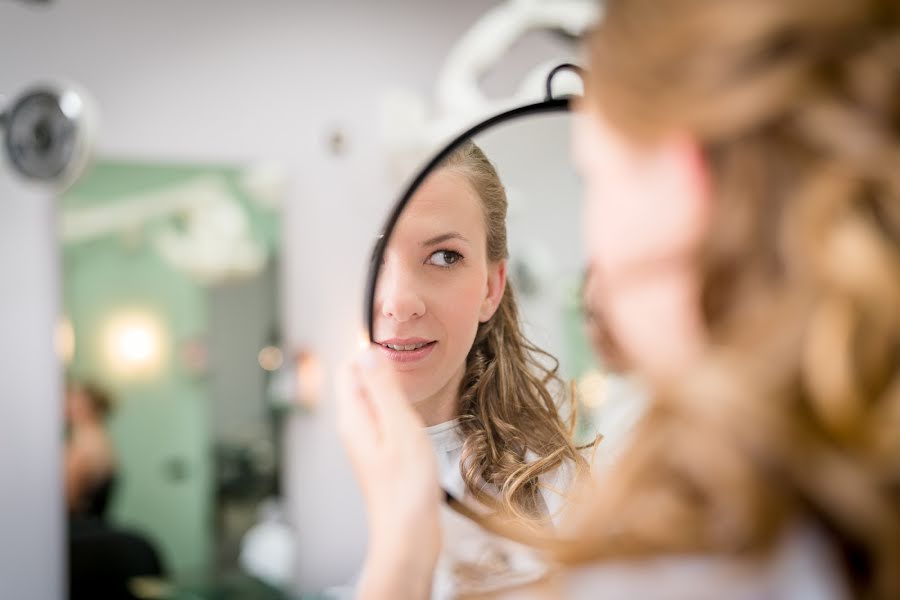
{"type": "Point", "coordinates": [134, 343]}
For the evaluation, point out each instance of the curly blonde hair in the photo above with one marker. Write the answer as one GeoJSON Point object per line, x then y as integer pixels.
{"type": "Point", "coordinates": [795, 410]}
{"type": "Point", "coordinates": [511, 395]}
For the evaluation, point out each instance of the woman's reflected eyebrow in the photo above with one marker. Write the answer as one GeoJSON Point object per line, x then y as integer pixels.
{"type": "Point", "coordinates": [452, 235]}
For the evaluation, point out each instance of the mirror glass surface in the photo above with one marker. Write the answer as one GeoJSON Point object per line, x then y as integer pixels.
{"type": "Point", "coordinates": [546, 266]}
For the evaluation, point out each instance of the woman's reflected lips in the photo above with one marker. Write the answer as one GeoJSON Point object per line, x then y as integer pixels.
{"type": "Point", "coordinates": [423, 348]}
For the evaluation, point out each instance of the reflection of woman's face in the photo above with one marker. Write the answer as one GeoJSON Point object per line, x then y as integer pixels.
{"type": "Point", "coordinates": [435, 286]}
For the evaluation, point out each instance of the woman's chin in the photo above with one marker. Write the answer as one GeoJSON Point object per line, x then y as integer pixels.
{"type": "Point", "coordinates": [412, 386]}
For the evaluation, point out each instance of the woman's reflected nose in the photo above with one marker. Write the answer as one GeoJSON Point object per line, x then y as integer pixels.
{"type": "Point", "coordinates": [397, 293]}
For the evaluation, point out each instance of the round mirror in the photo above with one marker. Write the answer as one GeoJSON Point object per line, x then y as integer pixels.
{"type": "Point", "coordinates": [484, 242]}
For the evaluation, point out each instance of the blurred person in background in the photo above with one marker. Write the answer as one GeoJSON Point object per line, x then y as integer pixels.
{"type": "Point", "coordinates": [90, 461]}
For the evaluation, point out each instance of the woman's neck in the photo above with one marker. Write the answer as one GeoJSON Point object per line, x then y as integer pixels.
{"type": "Point", "coordinates": [443, 405]}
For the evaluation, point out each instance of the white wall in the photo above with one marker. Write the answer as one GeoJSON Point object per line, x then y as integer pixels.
{"type": "Point", "coordinates": [31, 492]}
{"type": "Point", "coordinates": [229, 80]}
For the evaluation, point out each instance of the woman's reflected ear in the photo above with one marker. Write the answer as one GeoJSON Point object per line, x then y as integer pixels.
{"type": "Point", "coordinates": [496, 287]}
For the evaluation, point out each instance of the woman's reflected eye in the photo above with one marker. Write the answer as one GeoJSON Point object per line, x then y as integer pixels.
{"type": "Point", "coordinates": [444, 258]}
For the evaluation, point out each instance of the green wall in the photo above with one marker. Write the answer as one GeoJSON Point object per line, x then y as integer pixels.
{"type": "Point", "coordinates": [161, 429]}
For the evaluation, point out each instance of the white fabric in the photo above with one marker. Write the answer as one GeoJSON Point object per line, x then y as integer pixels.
{"type": "Point", "coordinates": [448, 444]}
{"type": "Point", "coordinates": [472, 560]}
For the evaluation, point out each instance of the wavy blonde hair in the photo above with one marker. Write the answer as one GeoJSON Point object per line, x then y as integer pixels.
{"type": "Point", "coordinates": [795, 411]}
{"type": "Point", "coordinates": [511, 395]}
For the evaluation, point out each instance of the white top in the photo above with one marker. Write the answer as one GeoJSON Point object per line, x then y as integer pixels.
{"type": "Point", "coordinates": [472, 560]}
{"type": "Point", "coordinates": [448, 444]}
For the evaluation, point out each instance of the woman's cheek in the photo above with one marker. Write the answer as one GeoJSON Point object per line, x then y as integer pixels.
{"type": "Point", "coordinates": [603, 234]}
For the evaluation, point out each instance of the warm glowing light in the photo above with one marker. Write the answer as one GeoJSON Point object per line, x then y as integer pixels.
{"type": "Point", "coordinates": [64, 340]}
{"type": "Point", "coordinates": [134, 343]}
{"type": "Point", "coordinates": [270, 358]}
